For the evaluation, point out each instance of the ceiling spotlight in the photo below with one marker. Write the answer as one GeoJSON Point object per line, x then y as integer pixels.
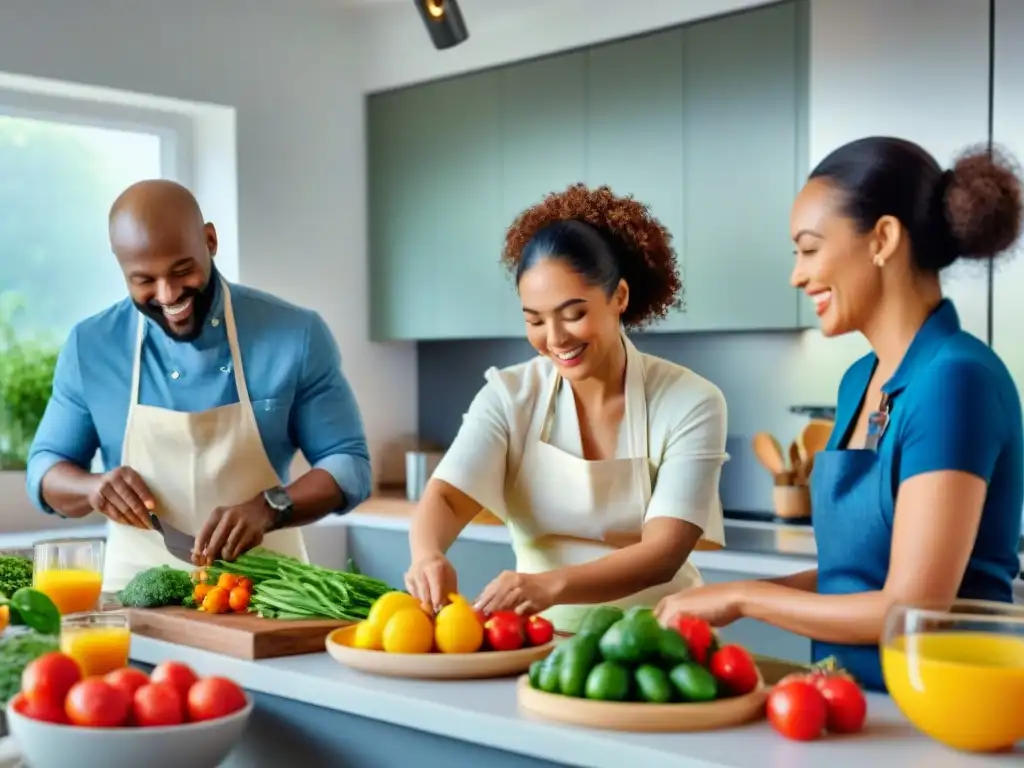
{"type": "Point", "coordinates": [444, 22]}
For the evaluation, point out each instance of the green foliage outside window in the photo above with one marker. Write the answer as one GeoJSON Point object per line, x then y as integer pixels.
{"type": "Point", "coordinates": [26, 380]}
{"type": "Point", "coordinates": [57, 180]}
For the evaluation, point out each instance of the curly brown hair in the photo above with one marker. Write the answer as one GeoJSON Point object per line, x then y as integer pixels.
{"type": "Point", "coordinates": [643, 247]}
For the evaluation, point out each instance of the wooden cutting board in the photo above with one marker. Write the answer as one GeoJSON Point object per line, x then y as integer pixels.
{"type": "Point", "coordinates": [243, 636]}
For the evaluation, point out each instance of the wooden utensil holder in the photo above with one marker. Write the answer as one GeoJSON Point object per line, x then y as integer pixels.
{"type": "Point", "coordinates": [792, 502]}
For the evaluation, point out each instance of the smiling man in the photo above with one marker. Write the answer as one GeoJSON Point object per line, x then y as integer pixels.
{"type": "Point", "coordinates": [198, 394]}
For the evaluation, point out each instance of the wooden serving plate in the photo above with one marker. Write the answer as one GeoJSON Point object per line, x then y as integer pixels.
{"type": "Point", "coordinates": [433, 666]}
{"type": "Point", "coordinates": [633, 716]}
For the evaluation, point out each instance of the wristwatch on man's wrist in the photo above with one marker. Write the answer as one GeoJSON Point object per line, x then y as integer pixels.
{"type": "Point", "coordinates": [281, 505]}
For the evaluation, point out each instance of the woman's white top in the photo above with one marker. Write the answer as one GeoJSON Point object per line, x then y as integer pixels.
{"type": "Point", "coordinates": [686, 422]}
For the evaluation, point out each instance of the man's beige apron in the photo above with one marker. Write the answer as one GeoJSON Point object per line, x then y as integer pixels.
{"type": "Point", "coordinates": [193, 462]}
{"type": "Point", "coordinates": [565, 510]}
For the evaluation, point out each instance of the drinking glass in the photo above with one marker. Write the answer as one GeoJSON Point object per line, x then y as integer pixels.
{"type": "Point", "coordinates": [958, 674]}
{"type": "Point", "coordinates": [69, 572]}
{"type": "Point", "coordinates": [99, 642]}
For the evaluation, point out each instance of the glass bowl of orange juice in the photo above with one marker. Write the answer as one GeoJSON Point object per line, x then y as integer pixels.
{"type": "Point", "coordinates": [958, 674]}
{"type": "Point", "coordinates": [99, 642]}
{"type": "Point", "coordinates": [69, 572]}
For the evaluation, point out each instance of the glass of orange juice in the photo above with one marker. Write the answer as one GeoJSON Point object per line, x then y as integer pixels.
{"type": "Point", "coordinates": [99, 642]}
{"type": "Point", "coordinates": [934, 660]}
{"type": "Point", "coordinates": [69, 572]}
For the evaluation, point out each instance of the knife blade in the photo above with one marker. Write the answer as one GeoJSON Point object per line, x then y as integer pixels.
{"type": "Point", "coordinates": [178, 544]}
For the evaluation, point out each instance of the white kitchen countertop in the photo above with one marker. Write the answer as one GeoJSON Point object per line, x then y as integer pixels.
{"type": "Point", "coordinates": [485, 713]}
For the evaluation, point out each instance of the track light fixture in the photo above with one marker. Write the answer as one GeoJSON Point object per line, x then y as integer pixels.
{"type": "Point", "coordinates": [444, 22]}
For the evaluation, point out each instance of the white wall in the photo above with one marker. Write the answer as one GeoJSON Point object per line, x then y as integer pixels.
{"type": "Point", "coordinates": [1008, 130]}
{"type": "Point", "coordinates": [292, 75]}
{"type": "Point", "coordinates": [397, 51]}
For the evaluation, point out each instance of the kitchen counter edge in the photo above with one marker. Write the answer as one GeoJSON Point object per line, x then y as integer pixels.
{"type": "Point", "coordinates": [485, 712]}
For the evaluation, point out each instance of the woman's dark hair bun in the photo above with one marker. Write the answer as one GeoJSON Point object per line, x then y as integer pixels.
{"type": "Point", "coordinates": [983, 203]}
{"type": "Point", "coordinates": [970, 211]}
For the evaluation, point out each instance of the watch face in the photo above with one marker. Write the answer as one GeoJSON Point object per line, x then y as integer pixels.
{"type": "Point", "coordinates": [278, 498]}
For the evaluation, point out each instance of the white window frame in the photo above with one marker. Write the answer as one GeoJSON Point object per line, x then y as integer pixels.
{"type": "Point", "coordinates": [176, 131]}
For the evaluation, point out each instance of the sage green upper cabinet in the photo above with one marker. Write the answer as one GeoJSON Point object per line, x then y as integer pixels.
{"type": "Point", "coordinates": [543, 142]}
{"type": "Point", "coordinates": [706, 124]}
{"type": "Point", "coordinates": [741, 161]}
{"type": "Point", "coordinates": [435, 212]}
{"type": "Point", "coordinates": [634, 138]}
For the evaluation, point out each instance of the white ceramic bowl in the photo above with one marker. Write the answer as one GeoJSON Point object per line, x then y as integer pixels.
{"type": "Point", "coordinates": [192, 745]}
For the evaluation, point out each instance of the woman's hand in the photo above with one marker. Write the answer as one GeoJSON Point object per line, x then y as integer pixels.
{"type": "Point", "coordinates": [524, 593]}
{"type": "Point", "coordinates": [432, 579]}
{"type": "Point", "coordinates": [717, 604]}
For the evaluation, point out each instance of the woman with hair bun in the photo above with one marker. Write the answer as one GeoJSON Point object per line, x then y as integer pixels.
{"type": "Point", "coordinates": [917, 498]}
{"type": "Point", "coordinates": [602, 461]}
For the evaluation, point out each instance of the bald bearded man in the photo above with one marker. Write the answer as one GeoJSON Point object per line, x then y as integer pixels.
{"type": "Point", "coordinates": [198, 394]}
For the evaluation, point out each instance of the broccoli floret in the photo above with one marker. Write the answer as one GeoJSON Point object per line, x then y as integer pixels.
{"type": "Point", "coordinates": [15, 573]}
{"type": "Point", "coordinates": [156, 587]}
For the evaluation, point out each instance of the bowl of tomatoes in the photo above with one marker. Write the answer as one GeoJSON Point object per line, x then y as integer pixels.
{"type": "Point", "coordinates": [125, 718]}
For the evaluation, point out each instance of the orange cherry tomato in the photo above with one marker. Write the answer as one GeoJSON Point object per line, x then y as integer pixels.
{"type": "Point", "coordinates": [200, 592]}
{"type": "Point", "coordinates": [239, 599]}
{"type": "Point", "coordinates": [245, 582]}
{"type": "Point", "coordinates": [217, 600]}
{"type": "Point", "coordinates": [227, 581]}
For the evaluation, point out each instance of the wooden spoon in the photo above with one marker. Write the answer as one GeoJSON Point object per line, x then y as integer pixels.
{"type": "Point", "coordinates": [813, 438]}
{"type": "Point", "coordinates": [769, 453]}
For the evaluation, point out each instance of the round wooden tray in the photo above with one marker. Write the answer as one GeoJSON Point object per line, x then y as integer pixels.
{"type": "Point", "coordinates": [633, 716]}
{"type": "Point", "coordinates": [433, 666]}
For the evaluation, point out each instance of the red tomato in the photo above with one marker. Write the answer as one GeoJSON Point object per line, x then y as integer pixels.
{"type": "Point", "coordinates": [847, 705]}
{"type": "Point", "coordinates": [47, 680]}
{"type": "Point", "coordinates": [698, 636]}
{"type": "Point", "coordinates": [797, 710]}
{"type": "Point", "coordinates": [177, 674]}
{"type": "Point", "coordinates": [158, 704]}
{"type": "Point", "coordinates": [735, 669]}
{"type": "Point", "coordinates": [214, 697]}
{"type": "Point", "coordinates": [539, 630]}
{"type": "Point", "coordinates": [95, 703]}
{"type": "Point", "coordinates": [19, 703]}
{"type": "Point", "coordinates": [46, 711]}
{"type": "Point", "coordinates": [504, 631]}
{"type": "Point", "coordinates": [128, 679]}
{"type": "Point", "coordinates": [245, 583]}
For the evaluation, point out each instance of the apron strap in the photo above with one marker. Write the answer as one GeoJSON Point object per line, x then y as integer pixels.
{"type": "Point", "coordinates": [636, 421]}
{"type": "Point", "coordinates": [137, 359]}
{"type": "Point", "coordinates": [236, 354]}
{"type": "Point", "coordinates": [549, 412]}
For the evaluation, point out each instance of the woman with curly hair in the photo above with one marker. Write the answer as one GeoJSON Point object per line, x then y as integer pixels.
{"type": "Point", "coordinates": [603, 462]}
{"type": "Point", "coordinates": [917, 498]}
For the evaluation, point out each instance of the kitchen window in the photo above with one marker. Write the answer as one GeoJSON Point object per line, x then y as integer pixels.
{"type": "Point", "coordinates": [62, 163]}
